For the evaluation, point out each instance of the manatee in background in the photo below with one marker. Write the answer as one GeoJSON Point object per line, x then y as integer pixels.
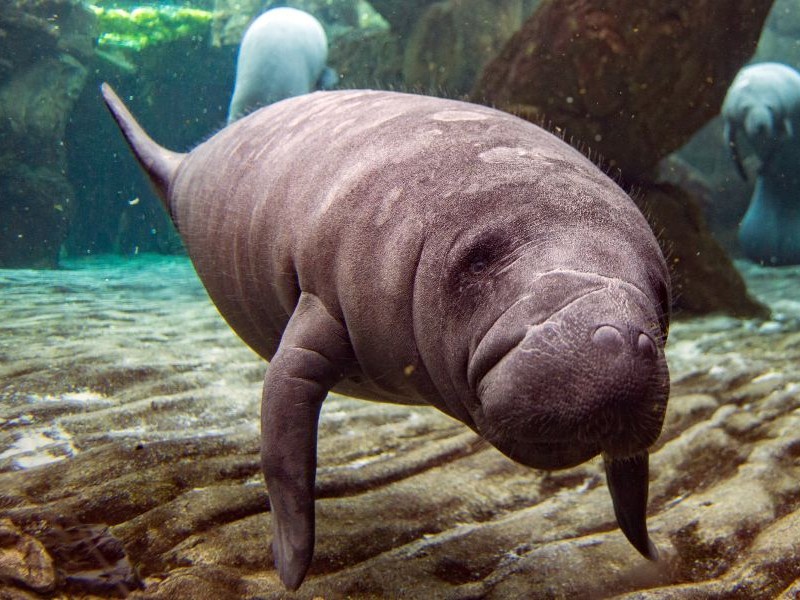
{"type": "Point", "coordinates": [763, 107]}
{"type": "Point", "coordinates": [417, 250]}
{"type": "Point", "coordinates": [282, 54]}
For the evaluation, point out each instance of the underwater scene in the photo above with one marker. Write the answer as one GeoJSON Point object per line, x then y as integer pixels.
{"type": "Point", "coordinates": [450, 299]}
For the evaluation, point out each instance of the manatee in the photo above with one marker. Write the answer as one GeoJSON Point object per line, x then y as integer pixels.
{"type": "Point", "coordinates": [282, 54]}
{"type": "Point", "coordinates": [763, 107]}
{"type": "Point", "coordinates": [419, 250]}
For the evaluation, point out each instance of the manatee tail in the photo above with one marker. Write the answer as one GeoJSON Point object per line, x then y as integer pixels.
{"type": "Point", "coordinates": [159, 163]}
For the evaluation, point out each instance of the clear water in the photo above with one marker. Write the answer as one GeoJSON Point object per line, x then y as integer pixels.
{"type": "Point", "coordinates": [108, 340]}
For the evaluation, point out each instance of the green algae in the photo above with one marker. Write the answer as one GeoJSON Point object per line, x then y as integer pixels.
{"type": "Point", "coordinates": [145, 26]}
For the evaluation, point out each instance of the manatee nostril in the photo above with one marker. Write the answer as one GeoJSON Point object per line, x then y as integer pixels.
{"type": "Point", "coordinates": [608, 338]}
{"type": "Point", "coordinates": [646, 347]}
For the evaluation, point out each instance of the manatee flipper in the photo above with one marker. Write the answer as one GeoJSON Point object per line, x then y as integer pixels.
{"type": "Point", "coordinates": [788, 128]}
{"type": "Point", "coordinates": [730, 140]}
{"type": "Point", "coordinates": [327, 79]}
{"type": "Point", "coordinates": [312, 357]}
{"type": "Point", "coordinates": [627, 480]}
{"type": "Point", "coordinates": [786, 133]}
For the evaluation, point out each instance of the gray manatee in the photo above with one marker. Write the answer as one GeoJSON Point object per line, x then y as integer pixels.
{"type": "Point", "coordinates": [763, 106]}
{"type": "Point", "coordinates": [417, 250]}
{"type": "Point", "coordinates": [282, 54]}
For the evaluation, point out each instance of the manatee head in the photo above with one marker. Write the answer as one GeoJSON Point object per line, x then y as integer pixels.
{"type": "Point", "coordinates": [555, 331]}
{"type": "Point", "coordinates": [561, 307]}
{"type": "Point", "coordinates": [759, 124]}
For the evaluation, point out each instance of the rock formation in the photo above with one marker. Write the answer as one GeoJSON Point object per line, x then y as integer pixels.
{"type": "Point", "coordinates": [41, 76]}
{"type": "Point", "coordinates": [633, 81]}
{"type": "Point", "coordinates": [402, 16]}
{"type": "Point", "coordinates": [452, 40]}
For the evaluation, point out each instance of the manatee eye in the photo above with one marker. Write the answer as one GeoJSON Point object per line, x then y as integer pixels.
{"type": "Point", "coordinates": [476, 260]}
{"type": "Point", "coordinates": [475, 266]}
{"type": "Point", "coordinates": [480, 256]}
{"type": "Point", "coordinates": [478, 266]}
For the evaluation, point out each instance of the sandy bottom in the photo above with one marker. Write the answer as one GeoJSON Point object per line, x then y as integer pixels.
{"type": "Point", "coordinates": [129, 464]}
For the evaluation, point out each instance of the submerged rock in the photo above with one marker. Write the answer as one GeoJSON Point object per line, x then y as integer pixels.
{"type": "Point", "coordinates": [402, 16]}
{"type": "Point", "coordinates": [42, 44]}
{"type": "Point", "coordinates": [632, 82]}
{"type": "Point", "coordinates": [129, 412]}
{"type": "Point", "coordinates": [451, 41]}
{"type": "Point", "coordinates": [24, 562]}
{"type": "Point", "coordinates": [38, 200]}
{"type": "Point", "coordinates": [701, 283]}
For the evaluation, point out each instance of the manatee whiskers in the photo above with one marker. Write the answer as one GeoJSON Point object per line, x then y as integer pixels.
{"type": "Point", "coordinates": [601, 429]}
{"type": "Point", "coordinates": [617, 434]}
{"type": "Point", "coordinates": [518, 427]}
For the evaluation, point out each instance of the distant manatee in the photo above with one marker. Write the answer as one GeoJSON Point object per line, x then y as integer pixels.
{"type": "Point", "coordinates": [763, 107]}
{"type": "Point", "coordinates": [282, 54]}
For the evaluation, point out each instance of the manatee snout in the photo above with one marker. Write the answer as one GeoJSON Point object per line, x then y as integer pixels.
{"type": "Point", "coordinates": [591, 378]}
{"type": "Point", "coordinates": [760, 126]}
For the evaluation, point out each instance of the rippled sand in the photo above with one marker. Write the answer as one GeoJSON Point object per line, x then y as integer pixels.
{"type": "Point", "coordinates": [129, 463]}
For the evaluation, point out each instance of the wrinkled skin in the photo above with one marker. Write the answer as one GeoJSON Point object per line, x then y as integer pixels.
{"type": "Point", "coordinates": [762, 110]}
{"type": "Point", "coordinates": [419, 250]}
{"type": "Point", "coordinates": [282, 54]}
